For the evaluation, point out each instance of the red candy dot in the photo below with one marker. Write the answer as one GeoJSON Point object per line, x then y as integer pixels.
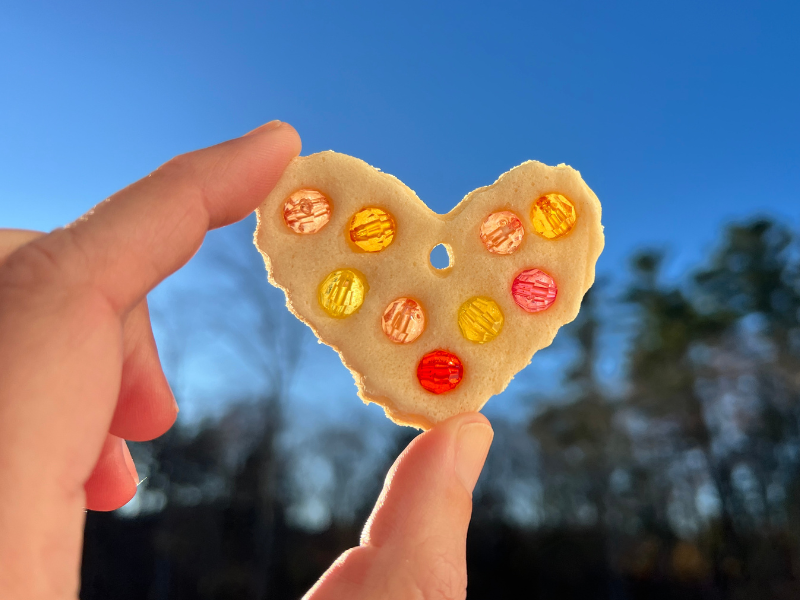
{"type": "Point", "coordinates": [534, 290]}
{"type": "Point", "coordinates": [440, 371]}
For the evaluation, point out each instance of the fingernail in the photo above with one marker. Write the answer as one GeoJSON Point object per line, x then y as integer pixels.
{"type": "Point", "coordinates": [265, 127]}
{"type": "Point", "coordinates": [472, 446]}
{"type": "Point", "coordinates": [126, 453]}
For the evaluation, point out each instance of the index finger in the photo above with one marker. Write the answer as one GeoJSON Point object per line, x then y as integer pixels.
{"type": "Point", "coordinates": [140, 235]}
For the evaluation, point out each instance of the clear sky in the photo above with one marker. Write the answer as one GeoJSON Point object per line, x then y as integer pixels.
{"type": "Point", "coordinates": [680, 115]}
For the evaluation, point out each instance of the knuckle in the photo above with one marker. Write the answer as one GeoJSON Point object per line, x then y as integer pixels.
{"type": "Point", "coordinates": [48, 268]}
{"type": "Point", "coordinates": [179, 167]}
{"type": "Point", "coordinates": [30, 266]}
{"type": "Point", "coordinates": [187, 173]}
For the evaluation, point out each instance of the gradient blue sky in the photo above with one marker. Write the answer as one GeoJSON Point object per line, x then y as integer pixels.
{"type": "Point", "coordinates": [680, 115]}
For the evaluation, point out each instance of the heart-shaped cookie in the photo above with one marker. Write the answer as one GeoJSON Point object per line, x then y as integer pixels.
{"type": "Point", "coordinates": [350, 247]}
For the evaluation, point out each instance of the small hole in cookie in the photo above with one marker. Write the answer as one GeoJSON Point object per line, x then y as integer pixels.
{"type": "Point", "coordinates": [441, 257]}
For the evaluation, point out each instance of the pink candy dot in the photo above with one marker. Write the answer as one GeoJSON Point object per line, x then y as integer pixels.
{"type": "Point", "coordinates": [534, 290]}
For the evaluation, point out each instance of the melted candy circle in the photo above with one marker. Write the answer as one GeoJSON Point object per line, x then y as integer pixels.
{"type": "Point", "coordinates": [440, 371]}
{"type": "Point", "coordinates": [403, 321]}
{"type": "Point", "coordinates": [553, 216]}
{"type": "Point", "coordinates": [307, 211]}
{"type": "Point", "coordinates": [534, 290]}
{"type": "Point", "coordinates": [372, 229]}
{"type": "Point", "coordinates": [342, 293]}
{"type": "Point", "coordinates": [502, 232]}
{"type": "Point", "coordinates": [480, 319]}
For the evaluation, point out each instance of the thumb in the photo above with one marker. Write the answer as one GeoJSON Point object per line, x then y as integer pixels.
{"type": "Point", "coordinates": [414, 544]}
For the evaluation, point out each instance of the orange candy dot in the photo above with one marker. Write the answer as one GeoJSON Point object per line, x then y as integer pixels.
{"type": "Point", "coordinates": [307, 211]}
{"type": "Point", "coordinates": [403, 321]}
{"type": "Point", "coordinates": [553, 216]}
{"type": "Point", "coordinates": [502, 232]}
{"type": "Point", "coordinates": [372, 229]}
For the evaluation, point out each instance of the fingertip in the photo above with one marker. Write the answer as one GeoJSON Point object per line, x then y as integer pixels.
{"type": "Point", "coordinates": [292, 138]}
{"type": "Point", "coordinates": [242, 172]}
{"type": "Point", "coordinates": [280, 134]}
{"type": "Point", "coordinates": [113, 481]}
{"type": "Point", "coordinates": [453, 424]}
{"type": "Point", "coordinates": [468, 436]}
{"type": "Point", "coordinates": [146, 407]}
{"type": "Point", "coordinates": [129, 464]}
{"type": "Point", "coordinates": [148, 423]}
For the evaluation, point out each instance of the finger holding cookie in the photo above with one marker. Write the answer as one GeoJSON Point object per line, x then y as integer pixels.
{"type": "Point", "coordinates": [414, 543]}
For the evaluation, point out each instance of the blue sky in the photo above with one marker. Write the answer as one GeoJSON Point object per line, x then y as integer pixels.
{"type": "Point", "coordinates": [681, 115]}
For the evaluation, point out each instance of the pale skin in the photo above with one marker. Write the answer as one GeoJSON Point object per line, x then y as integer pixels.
{"type": "Point", "coordinates": [80, 374]}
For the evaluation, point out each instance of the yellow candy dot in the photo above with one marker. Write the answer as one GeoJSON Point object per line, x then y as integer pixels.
{"type": "Point", "coordinates": [342, 292]}
{"type": "Point", "coordinates": [372, 229]}
{"type": "Point", "coordinates": [553, 216]}
{"type": "Point", "coordinates": [480, 319]}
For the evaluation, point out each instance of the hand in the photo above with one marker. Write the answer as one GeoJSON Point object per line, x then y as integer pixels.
{"type": "Point", "coordinates": [79, 374]}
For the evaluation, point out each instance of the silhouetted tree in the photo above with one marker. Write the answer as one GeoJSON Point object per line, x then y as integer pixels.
{"type": "Point", "coordinates": [576, 440]}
